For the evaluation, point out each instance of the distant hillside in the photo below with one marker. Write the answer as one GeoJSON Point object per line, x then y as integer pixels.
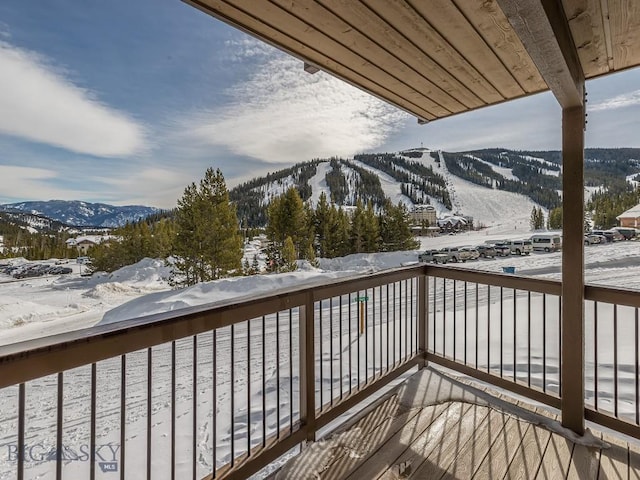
{"type": "Point", "coordinates": [13, 221]}
{"type": "Point", "coordinates": [83, 214]}
{"type": "Point", "coordinates": [442, 179]}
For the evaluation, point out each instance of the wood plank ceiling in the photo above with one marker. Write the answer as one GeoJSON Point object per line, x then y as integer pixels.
{"type": "Point", "coordinates": [432, 58]}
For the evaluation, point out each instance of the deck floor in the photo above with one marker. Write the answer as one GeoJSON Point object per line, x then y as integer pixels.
{"type": "Point", "coordinates": [436, 428]}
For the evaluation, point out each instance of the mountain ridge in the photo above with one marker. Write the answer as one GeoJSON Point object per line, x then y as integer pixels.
{"type": "Point", "coordinates": [420, 175]}
{"type": "Point", "coordinates": [77, 213]}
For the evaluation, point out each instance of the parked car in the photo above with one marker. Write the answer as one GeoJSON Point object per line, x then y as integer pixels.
{"type": "Point", "coordinates": [610, 235]}
{"type": "Point", "coordinates": [548, 242]}
{"type": "Point", "coordinates": [592, 239]}
{"type": "Point", "coordinates": [627, 233]}
{"type": "Point", "coordinates": [454, 254]}
{"type": "Point", "coordinates": [502, 249]}
{"type": "Point", "coordinates": [520, 247]}
{"type": "Point", "coordinates": [470, 252]}
{"type": "Point", "coordinates": [433, 256]}
{"type": "Point", "coordinates": [58, 270]}
{"type": "Point", "coordinates": [486, 251]}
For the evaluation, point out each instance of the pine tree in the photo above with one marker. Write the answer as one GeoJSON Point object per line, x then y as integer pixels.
{"type": "Point", "coordinates": [395, 229]}
{"type": "Point", "coordinates": [337, 241]}
{"type": "Point", "coordinates": [357, 230]}
{"type": "Point", "coordinates": [371, 230]}
{"type": "Point", "coordinates": [322, 224]}
{"type": "Point", "coordinates": [536, 220]}
{"type": "Point", "coordinates": [554, 221]}
{"type": "Point", "coordinates": [208, 244]}
{"type": "Point", "coordinates": [289, 256]}
{"type": "Point", "coordinates": [288, 217]}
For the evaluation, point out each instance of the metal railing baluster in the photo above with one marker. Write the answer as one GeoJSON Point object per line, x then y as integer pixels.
{"type": "Point", "coordinates": [232, 369]}
{"type": "Point", "coordinates": [515, 337]}
{"type": "Point", "coordinates": [488, 328]}
{"type": "Point", "coordinates": [123, 413]}
{"type": "Point", "coordinates": [501, 333]}
{"type": "Point", "coordinates": [595, 352]}
{"type": "Point", "coordinates": [59, 426]}
{"type": "Point", "coordinates": [92, 425]}
{"type": "Point", "coordinates": [330, 351]}
{"type": "Point", "coordinates": [173, 410]}
{"type": "Point", "coordinates": [444, 317]}
{"type": "Point", "coordinates": [290, 371]}
{"type": "Point", "coordinates": [466, 330]}
{"type": "Point", "coordinates": [340, 346]}
{"type": "Point", "coordinates": [455, 320]}
{"type": "Point", "coordinates": [544, 342]}
{"type": "Point", "coordinates": [194, 407]}
{"type": "Point", "coordinates": [264, 382]}
{"type": "Point", "coordinates": [248, 387]}
{"type": "Point", "coordinates": [149, 408]}
{"type": "Point", "coordinates": [21, 426]}
{"type": "Point", "coordinates": [278, 375]}
{"type": "Point", "coordinates": [529, 339]}
{"type": "Point", "coordinates": [637, 370]}
{"type": "Point", "coordinates": [615, 361]}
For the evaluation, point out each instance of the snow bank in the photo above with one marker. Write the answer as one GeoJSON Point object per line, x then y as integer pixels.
{"type": "Point", "coordinates": [236, 287]}
{"type": "Point", "coordinates": [215, 291]}
{"type": "Point", "coordinates": [369, 262]}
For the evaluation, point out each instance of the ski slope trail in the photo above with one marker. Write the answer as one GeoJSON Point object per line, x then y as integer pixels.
{"type": "Point", "coordinates": [318, 183]}
{"type": "Point", "coordinates": [500, 211]}
{"type": "Point", "coordinates": [390, 186]}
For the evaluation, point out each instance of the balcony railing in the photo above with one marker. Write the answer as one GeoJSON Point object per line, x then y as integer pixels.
{"type": "Point", "coordinates": [221, 391]}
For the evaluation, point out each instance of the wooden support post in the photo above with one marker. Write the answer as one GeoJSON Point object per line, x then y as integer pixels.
{"type": "Point", "coordinates": [423, 316]}
{"type": "Point", "coordinates": [572, 355]}
{"type": "Point", "coordinates": [307, 369]}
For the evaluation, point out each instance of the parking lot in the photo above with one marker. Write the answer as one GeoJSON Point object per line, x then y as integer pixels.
{"type": "Point", "coordinates": [442, 250]}
{"type": "Point", "coordinates": [24, 269]}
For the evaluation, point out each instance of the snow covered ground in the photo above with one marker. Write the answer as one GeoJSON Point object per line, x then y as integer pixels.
{"type": "Point", "coordinates": [42, 306]}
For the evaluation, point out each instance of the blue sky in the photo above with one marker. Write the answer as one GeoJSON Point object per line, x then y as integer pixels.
{"type": "Point", "coordinates": [127, 102]}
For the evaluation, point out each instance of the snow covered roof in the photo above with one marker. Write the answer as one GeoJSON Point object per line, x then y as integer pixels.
{"type": "Point", "coordinates": [633, 212]}
{"type": "Point", "coordinates": [95, 239]}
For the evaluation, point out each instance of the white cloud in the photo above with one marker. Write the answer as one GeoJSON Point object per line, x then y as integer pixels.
{"type": "Point", "coordinates": [38, 103]}
{"type": "Point", "coordinates": [159, 187]}
{"type": "Point", "coordinates": [20, 183]}
{"type": "Point", "coordinates": [282, 114]}
{"type": "Point", "coordinates": [620, 101]}
{"type": "Point", "coordinates": [244, 47]}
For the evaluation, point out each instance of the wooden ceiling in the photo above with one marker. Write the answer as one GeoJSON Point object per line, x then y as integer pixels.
{"type": "Point", "coordinates": [437, 58]}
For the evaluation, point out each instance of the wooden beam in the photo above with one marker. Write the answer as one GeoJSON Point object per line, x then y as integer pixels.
{"type": "Point", "coordinates": [544, 31]}
{"type": "Point", "coordinates": [572, 354]}
{"type": "Point", "coordinates": [307, 369]}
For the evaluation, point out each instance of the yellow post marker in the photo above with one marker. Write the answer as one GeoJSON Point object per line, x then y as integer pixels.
{"type": "Point", "coordinates": [362, 301]}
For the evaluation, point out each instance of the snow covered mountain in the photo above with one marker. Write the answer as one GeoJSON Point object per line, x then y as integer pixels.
{"type": "Point", "coordinates": [83, 214]}
{"type": "Point", "coordinates": [488, 185]}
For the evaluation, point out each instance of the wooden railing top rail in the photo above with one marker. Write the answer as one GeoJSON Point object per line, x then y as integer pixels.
{"type": "Point", "coordinates": [538, 285]}
{"type": "Point", "coordinates": [613, 295]}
